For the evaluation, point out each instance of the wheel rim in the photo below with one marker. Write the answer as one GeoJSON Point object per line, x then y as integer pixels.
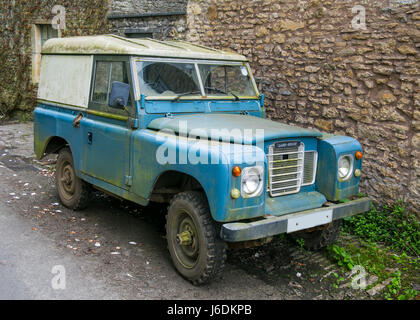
{"type": "Point", "coordinates": [67, 180]}
{"type": "Point", "coordinates": [185, 240]}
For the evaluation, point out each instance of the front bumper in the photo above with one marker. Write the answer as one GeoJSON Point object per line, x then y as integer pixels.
{"type": "Point", "coordinates": [271, 225]}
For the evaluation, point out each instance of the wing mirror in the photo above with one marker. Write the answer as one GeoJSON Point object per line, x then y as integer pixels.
{"type": "Point", "coordinates": [120, 92]}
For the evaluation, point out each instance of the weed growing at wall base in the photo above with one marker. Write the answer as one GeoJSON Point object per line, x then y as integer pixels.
{"type": "Point", "coordinates": [387, 246]}
{"type": "Point", "coordinates": [392, 226]}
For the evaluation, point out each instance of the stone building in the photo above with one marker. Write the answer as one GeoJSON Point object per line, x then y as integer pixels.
{"type": "Point", "coordinates": [26, 25]}
{"type": "Point", "coordinates": [158, 19]}
{"type": "Point", "coordinates": [316, 68]}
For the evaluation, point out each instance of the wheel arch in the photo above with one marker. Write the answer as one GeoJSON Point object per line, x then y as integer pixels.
{"type": "Point", "coordinates": [53, 145]}
{"type": "Point", "coordinates": [171, 182]}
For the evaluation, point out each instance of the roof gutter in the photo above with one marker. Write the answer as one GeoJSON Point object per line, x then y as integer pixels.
{"type": "Point", "coordinates": [145, 15]}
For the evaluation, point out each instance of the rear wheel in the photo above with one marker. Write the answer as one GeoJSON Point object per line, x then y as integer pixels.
{"type": "Point", "coordinates": [196, 249]}
{"type": "Point", "coordinates": [318, 238]}
{"type": "Point", "coordinates": [72, 191]}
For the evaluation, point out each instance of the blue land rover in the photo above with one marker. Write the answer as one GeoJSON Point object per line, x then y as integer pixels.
{"type": "Point", "coordinates": [170, 121]}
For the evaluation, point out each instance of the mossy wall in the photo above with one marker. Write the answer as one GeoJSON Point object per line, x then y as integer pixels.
{"type": "Point", "coordinates": [17, 92]}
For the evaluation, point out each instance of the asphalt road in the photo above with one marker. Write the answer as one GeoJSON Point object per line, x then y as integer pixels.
{"type": "Point", "coordinates": [117, 250]}
{"type": "Point", "coordinates": [27, 262]}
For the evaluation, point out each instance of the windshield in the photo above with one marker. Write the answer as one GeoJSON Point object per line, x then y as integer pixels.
{"type": "Point", "coordinates": [162, 79]}
{"type": "Point", "coordinates": [226, 80]}
{"type": "Point", "coordinates": [167, 79]}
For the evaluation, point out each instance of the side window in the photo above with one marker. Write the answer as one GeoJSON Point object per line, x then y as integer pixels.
{"type": "Point", "coordinates": [100, 91]}
{"type": "Point", "coordinates": [106, 73]}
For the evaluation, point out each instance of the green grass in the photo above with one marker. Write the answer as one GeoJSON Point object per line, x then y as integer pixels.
{"type": "Point", "coordinates": [387, 246]}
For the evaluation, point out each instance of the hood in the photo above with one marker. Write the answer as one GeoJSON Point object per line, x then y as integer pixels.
{"type": "Point", "coordinates": [231, 127]}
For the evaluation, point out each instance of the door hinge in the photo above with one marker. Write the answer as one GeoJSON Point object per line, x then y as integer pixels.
{"type": "Point", "coordinates": [128, 180]}
{"type": "Point", "coordinates": [133, 123]}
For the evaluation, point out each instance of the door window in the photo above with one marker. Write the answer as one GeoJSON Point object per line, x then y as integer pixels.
{"type": "Point", "coordinates": [107, 72]}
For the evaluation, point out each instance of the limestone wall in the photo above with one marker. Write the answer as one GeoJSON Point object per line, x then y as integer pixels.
{"type": "Point", "coordinates": [171, 24]}
{"type": "Point", "coordinates": [148, 6]}
{"type": "Point", "coordinates": [316, 70]}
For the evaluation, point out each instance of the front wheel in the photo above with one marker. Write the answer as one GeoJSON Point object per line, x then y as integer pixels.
{"type": "Point", "coordinates": [193, 238]}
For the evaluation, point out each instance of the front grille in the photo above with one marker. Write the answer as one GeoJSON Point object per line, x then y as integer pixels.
{"type": "Point", "coordinates": [290, 167]}
{"type": "Point", "coordinates": [285, 163]}
{"type": "Point", "coordinates": [309, 167]}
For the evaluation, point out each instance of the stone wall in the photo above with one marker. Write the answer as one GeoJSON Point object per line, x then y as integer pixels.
{"type": "Point", "coordinates": [17, 92]}
{"type": "Point", "coordinates": [314, 68]}
{"type": "Point", "coordinates": [160, 19]}
{"type": "Point", "coordinates": [148, 6]}
{"type": "Point", "coordinates": [158, 27]}
{"type": "Point", "coordinates": [317, 71]}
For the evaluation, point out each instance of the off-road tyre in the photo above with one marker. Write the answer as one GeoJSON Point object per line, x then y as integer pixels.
{"type": "Point", "coordinates": [319, 238]}
{"type": "Point", "coordinates": [204, 259]}
{"type": "Point", "coordinates": [73, 192]}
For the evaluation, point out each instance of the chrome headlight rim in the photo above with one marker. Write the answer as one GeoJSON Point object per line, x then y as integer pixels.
{"type": "Point", "coordinates": [252, 173]}
{"type": "Point", "coordinates": [349, 173]}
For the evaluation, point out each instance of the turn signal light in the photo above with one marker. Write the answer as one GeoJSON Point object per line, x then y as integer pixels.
{"type": "Point", "coordinates": [358, 155]}
{"type": "Point", "coordinates": [236, 171]}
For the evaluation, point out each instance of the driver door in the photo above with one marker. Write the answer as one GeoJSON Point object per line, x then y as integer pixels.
{"type": "Point", "coordinates": [107, 136]}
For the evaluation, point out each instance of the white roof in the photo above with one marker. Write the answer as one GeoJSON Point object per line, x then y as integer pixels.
{"type": "Point", "coordinates": [112, 44]}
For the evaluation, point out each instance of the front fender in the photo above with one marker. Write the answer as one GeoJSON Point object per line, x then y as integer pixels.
{"type": "Point", "coordinates": [148, 165]}
{"type": "Point", "coordinates": [330, 148]}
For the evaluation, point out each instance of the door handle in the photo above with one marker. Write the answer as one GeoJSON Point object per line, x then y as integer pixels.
{"type": "Point", "coordinates": [89, 137]}
{"type": "Point", "coordinates": [76, 121]}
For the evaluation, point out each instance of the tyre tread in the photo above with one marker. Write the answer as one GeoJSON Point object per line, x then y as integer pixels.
{"type": "Point", "coordinates": [216, 247]}
{"type": "Point", "coordinates": [83, 198]}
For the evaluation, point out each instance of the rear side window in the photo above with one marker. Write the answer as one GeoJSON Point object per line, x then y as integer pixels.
{"type": "Point", "coordinates": [106, 73]}
{"type": "Point", "coordinates": [100, 91]}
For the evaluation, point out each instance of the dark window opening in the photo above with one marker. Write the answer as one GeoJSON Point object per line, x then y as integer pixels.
{"type": "Point", "coordinates": [139, 35]}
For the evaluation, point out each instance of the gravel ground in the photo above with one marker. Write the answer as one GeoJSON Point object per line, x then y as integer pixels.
{"type": "Point", "coordinates": [117, 250]}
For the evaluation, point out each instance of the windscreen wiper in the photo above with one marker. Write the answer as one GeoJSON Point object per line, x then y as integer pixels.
{"type": "Point", "coordinates": [179, 96]}
{"type": "Point", "coordinates": [221, 91]}
{"type": "Point", "coordinates": [236, 97]}
{"type": "Point", "coordinates": [185, 94]}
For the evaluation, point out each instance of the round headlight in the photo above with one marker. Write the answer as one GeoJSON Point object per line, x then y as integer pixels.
{"type": "Point", "coordinates": [251, 184]}
{"type": "Point", "coordinates": [252, 181]}
{"type": "Point", "coordinates": [344, 167]}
